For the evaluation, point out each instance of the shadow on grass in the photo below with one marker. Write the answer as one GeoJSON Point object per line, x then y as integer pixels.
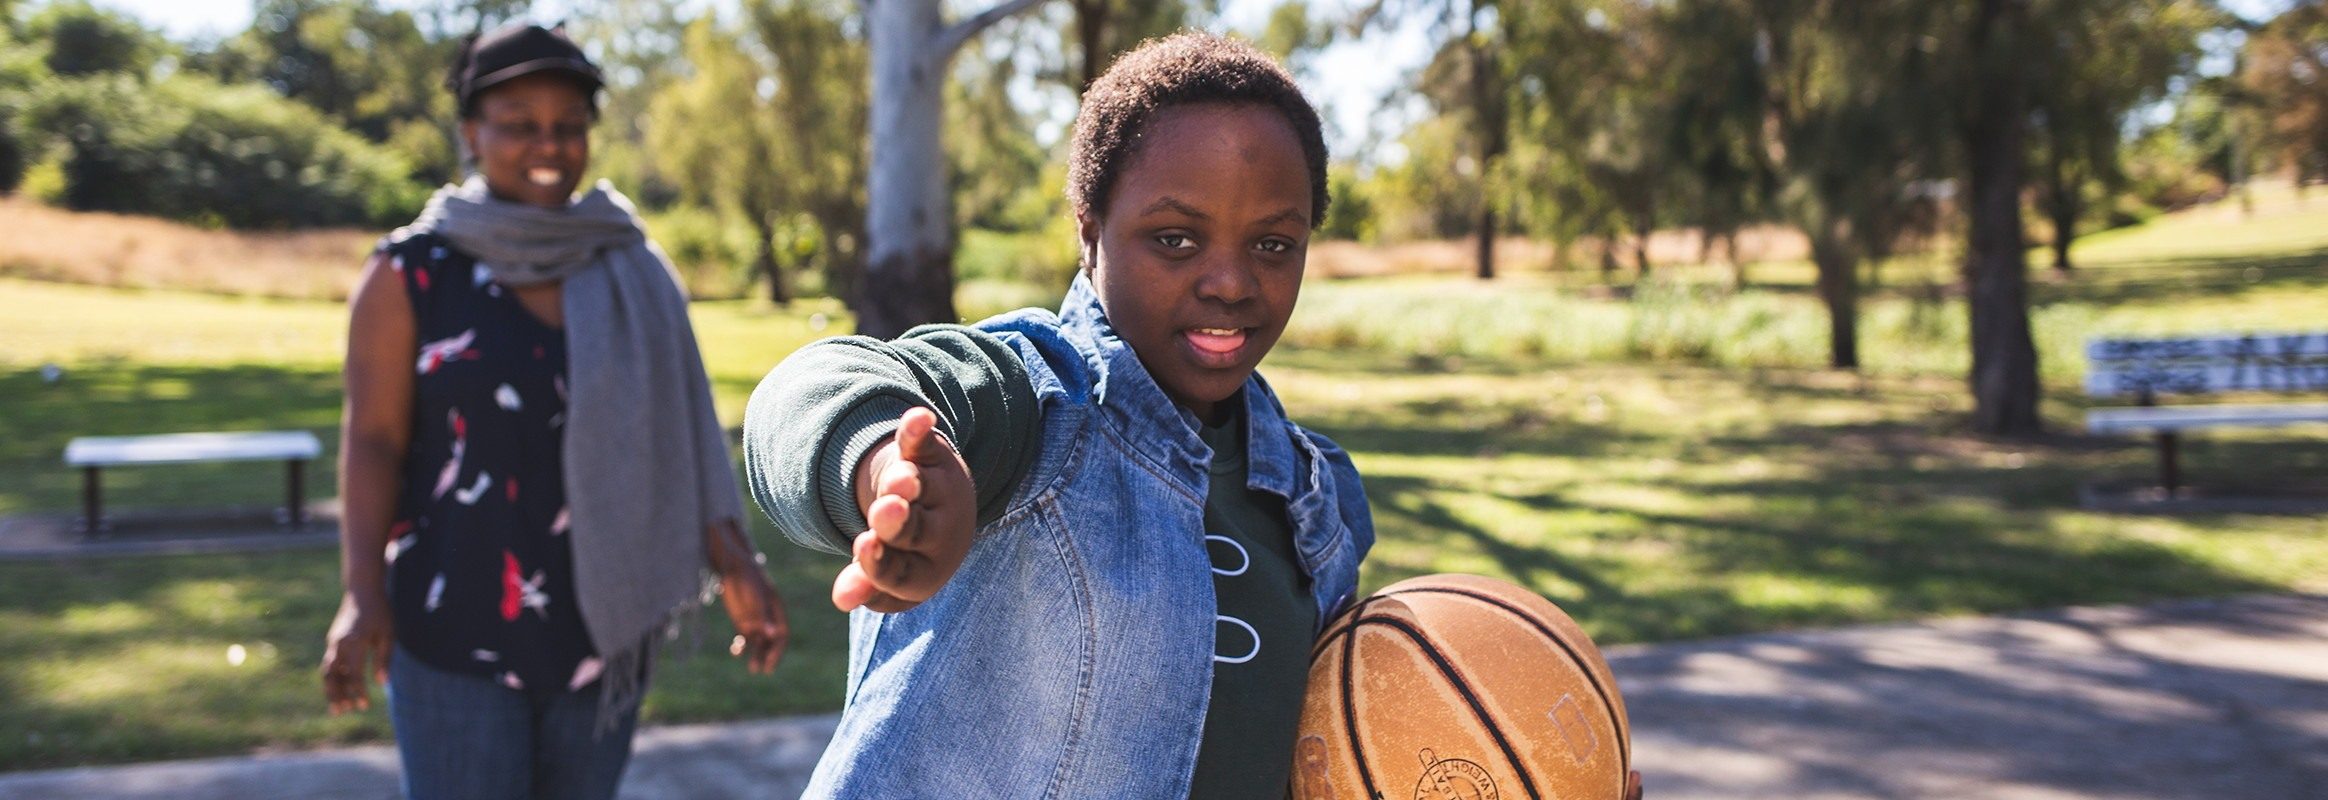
{"type": "Point", "coordinates": [118, 399]}
{"type": "Point", "coordinates": [125, 659]}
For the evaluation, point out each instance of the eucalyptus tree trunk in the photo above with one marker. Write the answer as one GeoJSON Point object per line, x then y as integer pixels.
{"type": "Point", "coordinates": [1996, 267]}
{"type": "Point", "coordinates": [909, 219]}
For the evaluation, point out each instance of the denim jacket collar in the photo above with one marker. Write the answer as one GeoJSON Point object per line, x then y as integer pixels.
{"type": "Point", "coordinates": [1125, 387]}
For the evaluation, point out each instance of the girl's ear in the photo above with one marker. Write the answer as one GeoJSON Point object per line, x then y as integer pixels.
{"type": "Point", "coordinates": [1087, 241]}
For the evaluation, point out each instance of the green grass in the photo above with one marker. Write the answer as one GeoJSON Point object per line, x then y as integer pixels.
{"type": "Point", "coordinates": [1668, 465]}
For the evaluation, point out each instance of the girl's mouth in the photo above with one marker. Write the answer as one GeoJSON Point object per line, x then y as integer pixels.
{"type": "Point", "coordinates": [545, 177]}
{"type": "Point", "coordinates": [1217, 347]}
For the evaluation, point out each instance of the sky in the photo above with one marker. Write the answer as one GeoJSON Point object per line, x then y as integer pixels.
{"type": "Point", "coordinates": [1348, 79]}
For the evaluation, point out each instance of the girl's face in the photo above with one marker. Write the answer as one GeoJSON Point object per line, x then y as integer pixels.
{"type": "Point", "coordinates": [531, 137]}
{"type": "Point", "coordinates": [1199, 257]}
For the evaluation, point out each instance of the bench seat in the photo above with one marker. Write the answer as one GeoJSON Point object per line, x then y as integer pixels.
{"type": "Point", "coordinates": [190, 448]}
{"type": "Point", "coordinates": [2175, 418]}
{"type": "Point", "coordinates": [94, 453]}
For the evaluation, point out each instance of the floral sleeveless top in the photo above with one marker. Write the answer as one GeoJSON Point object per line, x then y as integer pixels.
{"type": "Point", "coordinates": [480, 573]}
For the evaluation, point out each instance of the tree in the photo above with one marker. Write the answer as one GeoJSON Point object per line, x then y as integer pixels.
{"type": "Point", "coordinates": [372, 71]}
{"type": "Point", "coordinates": [1466, 83]}
{"type": "Point", "coordinates": [85, 40]}
{"type": "Point", "coordinates": [768, 130]}
{"type": "Point", "coordinates": [823, 110]}
{"type": "Point", "coordinates": [717, 132]}
{"type": "Point", "coordinates": [909, 274]}
{"type": "Point", "coordinates": [1104, 28]}
{"type": "Point", "coordinates": [641, 46]}
{"type": "Point", "coordinates": [2092, 64]}
{"type": "Point", "coordinates": [2285, 69]}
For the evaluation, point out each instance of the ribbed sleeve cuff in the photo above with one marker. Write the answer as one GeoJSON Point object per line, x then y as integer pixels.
{"type": "Point", "coordinates": [848, 441]}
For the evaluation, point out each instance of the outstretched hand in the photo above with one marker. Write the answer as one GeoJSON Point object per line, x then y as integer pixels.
{"type": "Point", "coordinates": [917, 497]}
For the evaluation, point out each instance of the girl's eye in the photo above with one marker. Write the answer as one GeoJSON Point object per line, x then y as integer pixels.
{"type": "Point", "coordinates": [1275, 246]}
{"type": "Point", "coordinates": [1175, 241]}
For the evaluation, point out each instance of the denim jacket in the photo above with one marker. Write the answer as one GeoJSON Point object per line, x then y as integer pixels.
{"type": "Point", "coordinates": [1071, 656]}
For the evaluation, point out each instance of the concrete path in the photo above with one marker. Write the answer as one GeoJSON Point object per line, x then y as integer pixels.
{"type": "Point", "coordinates": [2200, 699]}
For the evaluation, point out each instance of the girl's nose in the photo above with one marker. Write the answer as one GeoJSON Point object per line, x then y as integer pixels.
{"type": "Point", "coordinates": [1228, 279]}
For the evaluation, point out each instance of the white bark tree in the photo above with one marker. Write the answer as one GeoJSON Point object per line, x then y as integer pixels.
{"type": "Point", "coordinates": [909, 220]}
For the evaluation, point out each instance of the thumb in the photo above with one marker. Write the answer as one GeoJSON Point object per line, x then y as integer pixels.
{"type": "Point", "coordinates": [915, 440]}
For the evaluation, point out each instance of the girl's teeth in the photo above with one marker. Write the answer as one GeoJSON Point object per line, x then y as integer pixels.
{"type": "Point", "coordinates": [543, 176]}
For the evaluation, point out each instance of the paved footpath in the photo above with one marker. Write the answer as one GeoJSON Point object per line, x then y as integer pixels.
{"type": "Point", "coordinates": [2210, 699]}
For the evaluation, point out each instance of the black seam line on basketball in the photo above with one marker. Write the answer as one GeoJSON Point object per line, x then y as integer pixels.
{"type": "Point", "coordinates": [1349, 700]}
{"type": "Point", "coordinates": [1624, 737]}
{"type": "Point", "coordinates": [1478, 709]}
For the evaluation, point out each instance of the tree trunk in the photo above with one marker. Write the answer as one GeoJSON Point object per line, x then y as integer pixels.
{"type": "Point", "coordinates": [909, 222]}
{"type": "Point", "coordinates": [1642, 230]}
{"type": "Point", "coordinates": [2004, 358]}
{"type": "Point", "coordinates": [1486, 243]}
{"type": "Point", "coordinates": [764, 259]}
{"type": "Point", "coordinates": [1738, 279]}
{"type": "Point", "coordinates": [1839, 289]}
{"type": "Point", "coordinates": [2062, 203]}
{"type": "Point", "coordinates": [1090, 34]}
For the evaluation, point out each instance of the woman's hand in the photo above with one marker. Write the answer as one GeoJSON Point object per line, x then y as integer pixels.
{"type": "Point", "coordinates": [918, 499]}
{"type": "Point", "coordinates": [751, 601]}
{"type": "Point", "coordinates": [356, 651]}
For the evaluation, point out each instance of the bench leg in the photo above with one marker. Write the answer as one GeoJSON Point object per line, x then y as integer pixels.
{"type": "Point", "coordinates": [92, 503]}
{"type": "Point", "coordinates": [295, 501]}
{"type": "Point", "coordinates": [2169, 472]}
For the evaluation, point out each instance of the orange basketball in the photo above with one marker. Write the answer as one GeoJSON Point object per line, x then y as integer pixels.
{"type": "Point", "coordinates": [1459, 686]}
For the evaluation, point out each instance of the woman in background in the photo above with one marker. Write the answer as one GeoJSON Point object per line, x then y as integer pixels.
{"type": "Point", "coordinates": [532, 478]}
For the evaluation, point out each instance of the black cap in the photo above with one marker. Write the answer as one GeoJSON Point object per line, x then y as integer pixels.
{"type": "Point", "coordinates": [516, 51]}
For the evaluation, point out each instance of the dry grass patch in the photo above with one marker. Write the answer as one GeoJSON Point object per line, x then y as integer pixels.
{"type": "Point", "coordinates": [133, 252]}
{"type": "Point", "coordinates": [1347, 259]}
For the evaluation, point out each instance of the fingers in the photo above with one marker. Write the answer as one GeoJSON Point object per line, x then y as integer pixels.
{"type": "Point", "coordinates": [343, 679]}
{"type": "Point", "coordinates": [768, 647]}
{"type": "Point", "coordinates": [852, 588]}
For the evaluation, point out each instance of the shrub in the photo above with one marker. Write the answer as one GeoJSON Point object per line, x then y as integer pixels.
{"type": "Point", "coordinates": [189, 148]}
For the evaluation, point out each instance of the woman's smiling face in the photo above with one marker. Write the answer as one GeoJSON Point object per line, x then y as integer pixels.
{"type": "Point", "coordinates": [531, 137]}
{"type": "Point", "coordinates": [1198, 257]}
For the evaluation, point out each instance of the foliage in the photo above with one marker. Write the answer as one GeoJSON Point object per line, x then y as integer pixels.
{"type": "Point", "coordinates": [766, 131]}
{"type": "Point", "coordinates": [2286, 72]}
{"type": "Point", "coordinates": [2095, 63]}
{"type": "Point", "coordinates": [81, 39]}
{"type": "Point", "coordinates": [189, 148]}
{"type": "Point", "coordinates": [367, 69]}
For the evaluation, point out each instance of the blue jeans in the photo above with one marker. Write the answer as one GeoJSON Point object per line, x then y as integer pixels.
{"type": "Point", "coordinates": [466, 736]}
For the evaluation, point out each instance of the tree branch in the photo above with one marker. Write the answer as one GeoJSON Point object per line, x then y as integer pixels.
{"type": "Point", "coordinates": [943, 45]}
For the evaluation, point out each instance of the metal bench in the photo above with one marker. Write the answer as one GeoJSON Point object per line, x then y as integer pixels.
{"type": "Point", "coordinates": [2291, 363]}
{"type": "Point", "coordinates": [94, 453]}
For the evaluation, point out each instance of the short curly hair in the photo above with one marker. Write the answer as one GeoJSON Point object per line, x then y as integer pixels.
{"type": "Point", "coordinates": [1181, 69]}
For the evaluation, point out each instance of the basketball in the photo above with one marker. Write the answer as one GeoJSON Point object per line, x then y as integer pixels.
{"type": "Point", "coordinates": [1459, 686]}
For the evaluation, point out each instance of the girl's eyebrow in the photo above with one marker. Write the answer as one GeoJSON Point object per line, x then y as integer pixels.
{"type": "Point", "coordinates": [1288, 215]}
{"type": "Point", "coordinates": [1170, 203]}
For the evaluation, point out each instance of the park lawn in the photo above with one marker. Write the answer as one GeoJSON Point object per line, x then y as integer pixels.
{"type": "Point", "coordinates": [1665, 467]}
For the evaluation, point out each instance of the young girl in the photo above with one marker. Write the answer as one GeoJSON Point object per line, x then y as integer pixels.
{"type": "Point", "coordinates": [1089, 552]}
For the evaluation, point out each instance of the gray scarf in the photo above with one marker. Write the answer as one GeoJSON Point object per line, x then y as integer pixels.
{"type": "Point", "coordinates": [646, 460]}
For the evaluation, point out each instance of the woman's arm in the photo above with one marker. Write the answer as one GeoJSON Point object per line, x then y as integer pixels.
{"type": "Point", "coordinates": [375, 430]}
